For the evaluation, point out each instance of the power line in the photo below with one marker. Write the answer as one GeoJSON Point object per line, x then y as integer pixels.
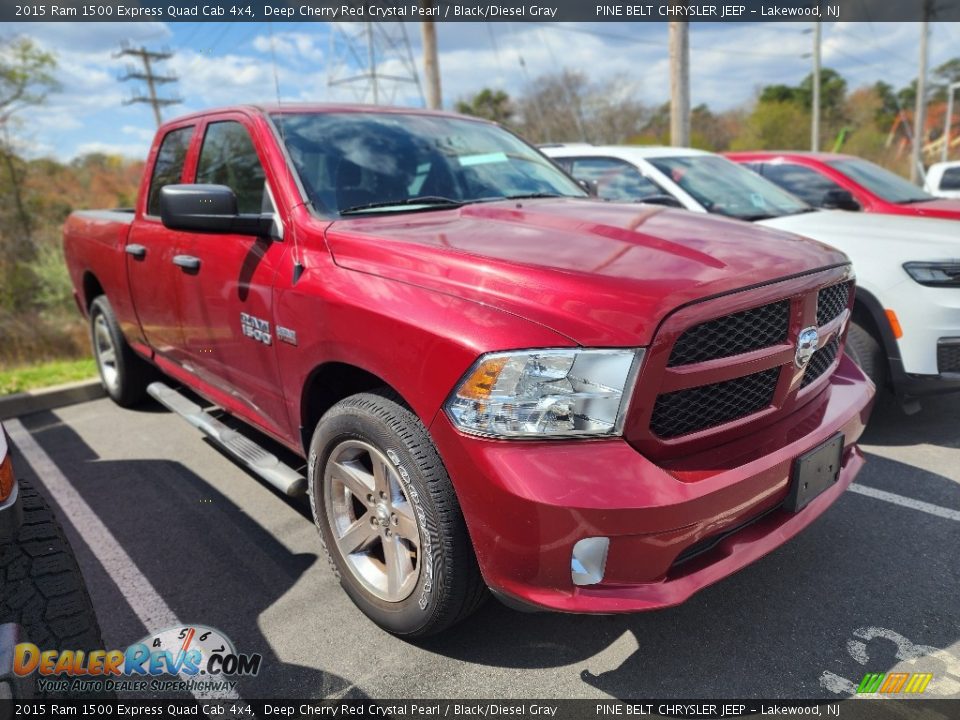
{"type": "Point", "coordinates": [148, 57]}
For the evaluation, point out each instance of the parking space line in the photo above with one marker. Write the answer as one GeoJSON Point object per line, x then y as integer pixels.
{"type": "Point", "coordinates": [139, 592]}
{"type": "Point", "coordinates": [906, 502]}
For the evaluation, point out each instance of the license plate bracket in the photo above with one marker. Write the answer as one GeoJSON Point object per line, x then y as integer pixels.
{"type": "Point", "coordinates": [814, 472]}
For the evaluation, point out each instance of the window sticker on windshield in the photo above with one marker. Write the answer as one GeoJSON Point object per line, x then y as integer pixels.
{"type": "Point", "coordinates": [485, 159]}
{"type": "Point", "coordinates": [757, 200]}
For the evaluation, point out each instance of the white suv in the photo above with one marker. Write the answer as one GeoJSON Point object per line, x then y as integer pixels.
{"type": "Point", "coordinates": [906, 321]}
{"type": "Point", "coordinates": [943, 179]}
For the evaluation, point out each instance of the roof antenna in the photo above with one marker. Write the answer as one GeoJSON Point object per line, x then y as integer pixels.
{"type": "Point", "coordinates": [298, 267]}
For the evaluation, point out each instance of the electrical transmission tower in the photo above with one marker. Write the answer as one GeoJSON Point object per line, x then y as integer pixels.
{"type": "Point", "coordinates": [148, 58]}
{"type": "Point", "coordinates": [373, 59]}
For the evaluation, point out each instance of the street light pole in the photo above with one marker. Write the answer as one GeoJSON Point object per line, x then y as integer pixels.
{"type": "Point", "coordinates": [815, 120]}
{"type": "Point", "coordinates": [949, 121]}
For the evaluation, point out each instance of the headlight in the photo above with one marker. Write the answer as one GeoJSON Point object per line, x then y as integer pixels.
{"type": "Point", "coordinates": [546, 393]}
{"type": "Point", "coordinates": [935, 274]}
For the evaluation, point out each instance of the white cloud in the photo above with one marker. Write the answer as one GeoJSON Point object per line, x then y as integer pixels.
{"type": "Point", "coordinates": [293, 46]}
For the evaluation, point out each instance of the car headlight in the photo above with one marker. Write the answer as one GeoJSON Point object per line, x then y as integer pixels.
{"type": "Point", "coordinates": [546, 393]}
{"type": "Point", "coordinates": [935, 274]}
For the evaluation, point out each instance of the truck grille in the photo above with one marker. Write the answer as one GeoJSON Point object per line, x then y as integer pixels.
{"type": "Point", "coordinates": [734, 334]}
{"type": "Point", "coordinates": [831, 301]}
{"type": "Point", "coordinates": [678, 413]}
{"type": "Point", "coordinates": [821, 360]}
{"type": "Point", "coordinates": [709, 374]}
{"type": "Point", "coordinates": [948, 356]}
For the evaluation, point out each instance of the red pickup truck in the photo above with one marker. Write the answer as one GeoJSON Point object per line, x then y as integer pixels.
{"type": "Point", "coordinates": [497, 381]}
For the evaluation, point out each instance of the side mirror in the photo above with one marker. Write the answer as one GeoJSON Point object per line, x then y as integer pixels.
{"type": "Point", "coordinates": [839, 200]}
{"type": "Point", "coordinates": [662, 199]}
{"type": "Point", "coordinates": [209, 208]}
{"type": "Point", "coordinates": [591, 186]}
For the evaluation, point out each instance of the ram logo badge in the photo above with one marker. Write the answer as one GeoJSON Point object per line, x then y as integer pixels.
{"type": "Point", "coordinates": [254, 327]}
{"type": "Point", "coordinates": [806, 346]}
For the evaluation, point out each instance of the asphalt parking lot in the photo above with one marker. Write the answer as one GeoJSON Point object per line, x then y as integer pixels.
{"type": "Point", "coordinates": [168, 530]}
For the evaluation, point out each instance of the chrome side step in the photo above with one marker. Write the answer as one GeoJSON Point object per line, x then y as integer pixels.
{"type": "Point", "coordinates": [263, 463]}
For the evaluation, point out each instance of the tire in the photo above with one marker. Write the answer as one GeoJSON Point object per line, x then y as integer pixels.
{"type": "Point", "coordinates": [408, 505]}
{"type": "Point", "coordinates": [865, 351]}
{"type": "Point", "coordinates": [41, 587]}
{"type": "Point", "coordinates": [123, 374]}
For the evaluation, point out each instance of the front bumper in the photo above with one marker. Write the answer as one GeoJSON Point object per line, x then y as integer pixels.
{"type": "Point", "coordinates": [527, 503]}
{"type": "Point", "coordinates": [11, 515]}
{"type": "Point", "coordinates": [927, 315]}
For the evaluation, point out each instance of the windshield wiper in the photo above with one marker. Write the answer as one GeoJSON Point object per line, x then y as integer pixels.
{"type": "Point", "coordinates": [427, 200]}
{"type": "Point", "coordinates": [531, 196]}
{"type": "Point", "coordinates": [911, 201]}
{"type": "Point", "coordinates": [754, 218]}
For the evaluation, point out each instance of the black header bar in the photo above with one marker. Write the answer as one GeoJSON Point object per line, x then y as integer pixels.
{"type": "Point", "coordinates": [474, 10]}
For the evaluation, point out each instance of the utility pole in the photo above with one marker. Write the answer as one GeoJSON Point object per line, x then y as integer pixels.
{"type": "Point", "coordinates": [153, 80]}
{"type": "Point", "coordinates": [431, 65]}
{"type": "Point", "coordinates": [815, 121]}
{"type": "Point", "coordinates": [948, 122]}
{"type": "Point", "coordinates": [679, 41]}
{"type": "Point", "coordinates": [920, 114]}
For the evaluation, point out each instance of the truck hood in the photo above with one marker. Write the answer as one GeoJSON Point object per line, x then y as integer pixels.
{"type": "Point", "coordinates": [870, 239]}
{"type": "Point", "coordinates": [601, 274]}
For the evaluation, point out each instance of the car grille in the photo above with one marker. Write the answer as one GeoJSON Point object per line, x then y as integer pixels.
{"type": "Point", "coordinates": [698, 408]}
{"type": "Point", "coordinates": [734, 334]}
{"type": "Point", "coordinates": [705, 373]}
{"type": "Point", "coordinates": [822, 359]}
{"type": "Point", "coordinates": [831, 301]}
{"type": "Point", "coordinates": [948, 356]}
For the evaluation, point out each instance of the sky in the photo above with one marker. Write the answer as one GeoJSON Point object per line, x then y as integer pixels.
{"type": "Point", "coordinates": [226, 63]}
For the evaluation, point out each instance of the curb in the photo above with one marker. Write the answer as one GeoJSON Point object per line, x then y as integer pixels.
{"type": "Point", "coordinates": [49, 398]}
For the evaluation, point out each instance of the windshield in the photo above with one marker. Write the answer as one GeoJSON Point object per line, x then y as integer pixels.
{"type": "Point", "coordinates": [725, 188]}
{"type": "Point", "coordinates": [882, 183]}
{"type": "Point", "coordinates": [389, 162]}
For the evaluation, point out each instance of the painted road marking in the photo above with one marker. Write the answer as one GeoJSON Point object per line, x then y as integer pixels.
{"type": "Point", "coordinates": [906, 502]}
{"type": "Point", "coordinates": [139, 592]}
{"type": "Point", "coordinates": [915, 657]}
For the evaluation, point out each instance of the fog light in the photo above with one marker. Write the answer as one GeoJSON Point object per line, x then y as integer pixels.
{"type": "Point", "coordinates": [589, 560]}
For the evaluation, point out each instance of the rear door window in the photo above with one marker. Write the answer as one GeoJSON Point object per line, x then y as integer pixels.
{"type": "Point", "coordinates": [229, 158]}
{"type": "Point", "coordinates": [168, 168]}
{"type": "Point", "coordinates": [803, 182]}
{"type": "Point", "coordinates": [950, 179]}
{"type": "Point", "coordinates": [616, 179]}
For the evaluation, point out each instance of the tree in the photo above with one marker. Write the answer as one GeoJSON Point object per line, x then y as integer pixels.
{"type": "Point", "coordinates": [833, 91]}
{"type": "Point", "coordinates": [775, 126]}
{"type": "Point", "coordinates": [26, 76]}
{"type": "Point", "coordinates": [489, 104]}
{"type": "Point", "coordinates": [566, 107]}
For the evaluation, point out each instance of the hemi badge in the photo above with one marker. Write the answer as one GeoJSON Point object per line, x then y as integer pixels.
{"type": "Point", "coordinates": [286, 335]}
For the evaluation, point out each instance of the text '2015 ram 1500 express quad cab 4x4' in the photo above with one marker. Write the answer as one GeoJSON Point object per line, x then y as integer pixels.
{"type": "Point", "coordinates": [496, 380]}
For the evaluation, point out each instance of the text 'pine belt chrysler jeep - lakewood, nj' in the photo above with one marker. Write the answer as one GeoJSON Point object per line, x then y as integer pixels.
{"type": "Point", "coordinates": [496, 380]}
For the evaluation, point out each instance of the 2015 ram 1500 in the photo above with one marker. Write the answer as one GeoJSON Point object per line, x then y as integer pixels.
{"type": "Point", "coordinates": [496, 380]}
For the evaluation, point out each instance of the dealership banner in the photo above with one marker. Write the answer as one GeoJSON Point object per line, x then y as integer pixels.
{"type": "Point", "coordinates": [477, 10]}
{"type": "Point", "coordinates": [859, 709]}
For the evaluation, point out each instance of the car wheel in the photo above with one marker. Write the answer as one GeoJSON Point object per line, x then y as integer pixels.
{"type": "Point", "coordinates": [389, 519]}
{"type": "Point", "coordinates": [41, 588]}
{"type": "Point", "coordinates": [123, 373]}
{"type": "Point", "coordinates": [865, 351]}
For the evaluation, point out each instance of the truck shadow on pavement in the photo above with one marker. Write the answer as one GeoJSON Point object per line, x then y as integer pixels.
{"type": "Point", "coordinates": [210, 562]}
{"type": "Point", "coordinates": [937, 423]}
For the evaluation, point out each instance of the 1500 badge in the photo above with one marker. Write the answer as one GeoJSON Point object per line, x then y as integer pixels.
{"type": "Point", "coordinates": [254, 327]}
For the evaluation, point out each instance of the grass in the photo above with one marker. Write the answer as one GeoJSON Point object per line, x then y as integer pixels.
{"type": "Point", "coordinates": [45, 374]}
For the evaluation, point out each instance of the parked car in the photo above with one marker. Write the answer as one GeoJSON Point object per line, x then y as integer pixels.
{"type": "Point", "coordinates": [943, 180]}
{"type": "Point", "coordinates": [496, 380]}
{"type": "Point", "coordinates": [43, 596]}
{"type": "Point", "coordinates": [906, 316]}
{"type": "Point", "coordinates": [842, 182]}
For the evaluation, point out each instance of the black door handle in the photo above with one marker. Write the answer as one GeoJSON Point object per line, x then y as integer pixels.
{"type": "Point", "coordinates": [187, 262]}
{"type": "Point", "coordinates": [137, 251]}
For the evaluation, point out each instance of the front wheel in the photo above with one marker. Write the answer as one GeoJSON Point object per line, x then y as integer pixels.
{"type": "Point", "coordinates": [389, 519]}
